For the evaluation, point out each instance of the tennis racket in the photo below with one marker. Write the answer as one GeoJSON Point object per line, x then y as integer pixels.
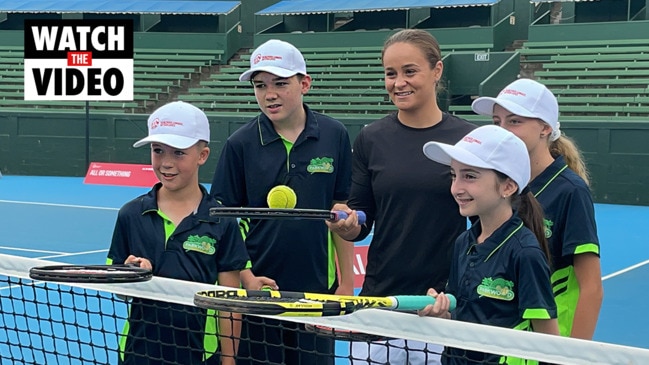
{"type": "Point", "coordinates": [274, 213]}
{"type": "Point", "coordinates": [296, 304]}
{"type": "Point", "coordinates": [91, 273]}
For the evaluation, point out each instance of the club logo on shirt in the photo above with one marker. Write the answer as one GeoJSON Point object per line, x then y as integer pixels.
{"type": "Point", "coordinates": [321, 164]}
{"type": "Point", "coordinates": [498, 288]}
{"type": "Point", "coordinates": [202, 244]}
{"type": "Point", "coordinates": [548, 227]}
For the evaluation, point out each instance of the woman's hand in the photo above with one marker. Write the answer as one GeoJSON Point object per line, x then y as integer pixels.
{"type": "Point", "coordinates": [347, 229]}
{"type": "Point", "coordinates": [439, 309]}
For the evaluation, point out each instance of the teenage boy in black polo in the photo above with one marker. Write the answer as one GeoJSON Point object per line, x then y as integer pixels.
{"type": "Point", "coordinates": [287, 144]}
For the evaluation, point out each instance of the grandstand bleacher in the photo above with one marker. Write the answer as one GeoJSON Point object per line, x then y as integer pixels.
{"type": "Point", "coordinates": [603, 78]}
{"type": "Point", "coordinates": [158, 74]}
{"type": "Point", "coordinates": [589, 80]}
{"type": "Point", "coordinates": [346, 81]}
{"type": "Point", "coordinates": [591, 77]}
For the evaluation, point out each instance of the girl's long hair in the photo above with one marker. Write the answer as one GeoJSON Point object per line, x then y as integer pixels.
{"type": "Point", "coordinates": [531, 212]}
{"type": "Point", "coordinates": [567, 148]}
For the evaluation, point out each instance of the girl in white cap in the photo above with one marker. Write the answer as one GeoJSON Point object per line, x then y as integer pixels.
{"type": "Point", "coordinates": [500, 272]}
{"type": "Point", "coordinates": [559, 181]}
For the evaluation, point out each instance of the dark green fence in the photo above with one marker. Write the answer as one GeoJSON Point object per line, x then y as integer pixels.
{"type": "Point", "coordinates": [48, 143]}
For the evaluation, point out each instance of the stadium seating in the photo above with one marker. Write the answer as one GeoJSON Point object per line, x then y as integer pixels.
{"type": "Point", "coordinates": [201, 56]}
{"type": "Point", "coordinates": [346, 81]}
{"type": "Point", "coordinates": [602, 78]}
{"type": "Point", "coordinates": [158, 74]}
{"type": "Point", "coordinates": [544, 50]}
{"type": "Point", "coordinates": [608, 80]}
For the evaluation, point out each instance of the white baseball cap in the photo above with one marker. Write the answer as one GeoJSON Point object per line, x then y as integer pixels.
{"type": "Point", "coordinates": [177, 124]}
{"type": "Point", "coordinates": [276, 57]}
{"type": "Point", "coordinates": [527, 98]}
{"type": "Point", "coordinates": [488, 147]}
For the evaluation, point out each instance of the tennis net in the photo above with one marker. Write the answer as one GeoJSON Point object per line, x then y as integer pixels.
{"type": "Point", "coordinates": [81, 323]}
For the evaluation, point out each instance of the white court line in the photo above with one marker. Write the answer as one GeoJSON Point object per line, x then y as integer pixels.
{"type": "Point", "coordinates": [30, 250]}
{"type": "Point", "coordinates": [625, 270]}
{"type": "Point", "coordinates": [16, 286]}
{"type": "Point", "coordinates": [57, 205]}
{"type": "Point", "coordinates": [61, 254]}
{"type": "Point", "coordinates": [54, 254]}
{"type": "Point", "coordinates": [71, 254]}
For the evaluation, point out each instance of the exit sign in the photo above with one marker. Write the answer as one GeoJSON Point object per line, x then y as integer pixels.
{"type": "Point", "coordinates": [481, 57]}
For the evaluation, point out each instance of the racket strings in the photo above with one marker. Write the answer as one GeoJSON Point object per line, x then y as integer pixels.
{"type": "Point", "coordinates": [90, 273]}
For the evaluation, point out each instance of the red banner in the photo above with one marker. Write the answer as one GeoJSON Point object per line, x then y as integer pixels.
{"type": "Point", "coordinates": [360, 260]}
{"type": "Point", "coordinates": [120, 174]}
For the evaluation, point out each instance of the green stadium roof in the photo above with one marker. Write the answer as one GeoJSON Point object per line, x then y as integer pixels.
{"type": "Point", "coordinates": [120, 7]}
{"type": "Point", "coordinates": [288, 7]}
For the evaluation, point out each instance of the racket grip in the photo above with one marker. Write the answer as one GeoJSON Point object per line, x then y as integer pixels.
{"type": "Point", "coordinates": [416, 302]}
{"type": "Point", "coordinates": [339, 214]}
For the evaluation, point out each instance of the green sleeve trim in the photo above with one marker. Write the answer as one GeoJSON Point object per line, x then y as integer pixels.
{"type": "Point", "coordinates": [587, 248]}
{"type": "Point", "coordinates": [244, 227]}
{"type": "Point", "coordinates": [331, 260]}
{"type": "Point", "coordinates": [248, 265]}
{"type": "Point", "coordinates": [109, 261]}
{"type": "Point", "coordinates": [536, 313]}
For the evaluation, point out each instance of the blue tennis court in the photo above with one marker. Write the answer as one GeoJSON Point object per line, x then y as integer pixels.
{"type": "Point", "coordinates": [62, 219]}
{"type": "Point", "coordinates": [90, 340]}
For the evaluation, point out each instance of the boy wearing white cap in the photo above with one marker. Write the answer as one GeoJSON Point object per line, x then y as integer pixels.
{"type": "Point", "coordinates": [287, 144]}
{"type": "Point", "coordinates": [559, 181]}
{"type": "Point", "coordinates": [169, 230]}
{"type": "Point", "coordinates": [499, 270]}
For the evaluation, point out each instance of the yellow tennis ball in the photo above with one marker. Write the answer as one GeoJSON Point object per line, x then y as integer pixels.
{"type": "Point", "coordinates": [281, 196]}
